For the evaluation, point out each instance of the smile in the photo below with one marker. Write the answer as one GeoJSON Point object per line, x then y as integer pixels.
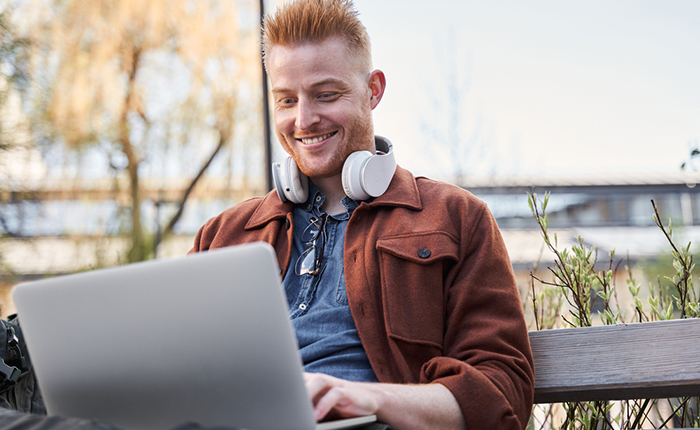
{"type": "Point", "coordinates": [312, 140]}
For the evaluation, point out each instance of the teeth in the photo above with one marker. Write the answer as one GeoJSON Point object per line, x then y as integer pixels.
{"type": "Point", "coordinates": [316, 139]}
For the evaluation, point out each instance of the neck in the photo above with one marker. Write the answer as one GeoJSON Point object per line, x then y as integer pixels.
{"type": "Point", "coordinates": [332, 188]}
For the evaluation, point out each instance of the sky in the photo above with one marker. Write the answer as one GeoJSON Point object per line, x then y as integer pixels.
{"type": "Point", "coordinates": [537, 87]}
{"type": "Point", "coordinates": [543, 86]}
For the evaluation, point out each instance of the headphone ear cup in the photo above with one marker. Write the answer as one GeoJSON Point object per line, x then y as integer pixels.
{"type": "Point", "coordinates": [352, 175]}
{"type": "Point", "coordinates": [364, 175]}
{"type": "Point", "coordinates": [377, 173]}
{"type": "Point", "coordinates": [276, 178]}
{"type": "Point", "coordinates": [295, 184]}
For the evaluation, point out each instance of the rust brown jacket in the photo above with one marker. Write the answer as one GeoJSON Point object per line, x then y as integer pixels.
{"type": "Point", "coordinates": [430, 287]}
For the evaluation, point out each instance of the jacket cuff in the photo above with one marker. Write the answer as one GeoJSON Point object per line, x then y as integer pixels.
{"type": "Point", "coordinates": [483, 404]}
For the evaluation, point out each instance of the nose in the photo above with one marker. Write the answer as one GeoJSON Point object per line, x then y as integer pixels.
{"type": "Point", "coordinates": [307, 114]}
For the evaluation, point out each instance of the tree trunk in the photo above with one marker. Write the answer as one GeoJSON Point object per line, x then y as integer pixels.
{"type": "Point", "coordinates": [138, 245]}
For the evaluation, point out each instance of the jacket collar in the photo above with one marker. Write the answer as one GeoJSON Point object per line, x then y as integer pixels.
{"type": "Point", "coordinates": [402, 192]}
{"type": "Point", "coordinates": [270, 209]}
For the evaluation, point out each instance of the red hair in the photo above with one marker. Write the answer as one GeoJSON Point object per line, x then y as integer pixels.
{"type": "Point", "coordinates": [313, 21]}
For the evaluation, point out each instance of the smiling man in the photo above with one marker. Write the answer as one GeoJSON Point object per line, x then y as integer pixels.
{"type": "Point", "coordinates": [323, 101]}
{"type": "Point", "coordinates": [399, 288]}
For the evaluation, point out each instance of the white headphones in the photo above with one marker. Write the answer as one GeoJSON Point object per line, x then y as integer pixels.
{"type": "Point", "coordinates": [364, 175]}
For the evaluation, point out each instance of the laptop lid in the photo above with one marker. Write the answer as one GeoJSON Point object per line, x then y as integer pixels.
{"type": "Point", "coordinates": [203, 338]}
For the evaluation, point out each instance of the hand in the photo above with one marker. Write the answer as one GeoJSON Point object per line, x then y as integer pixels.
{"type": "Point", "coordinates": [336, 398]}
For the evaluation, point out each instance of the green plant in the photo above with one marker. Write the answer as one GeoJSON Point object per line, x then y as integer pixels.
{"type": "Point", "coordinates": [574, 273]}
{"type": "Point", "coordinates": [578, 282]}
{"type": "Point", "coordinates": [687, 299]}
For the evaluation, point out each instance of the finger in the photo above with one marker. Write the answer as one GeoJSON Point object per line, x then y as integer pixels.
{"type": "Point", "coordinates": [346, 401]}
{"type": "Point", "coordinates": [318, 384]}
{"type": "Point", "coordinates": [327, 402]}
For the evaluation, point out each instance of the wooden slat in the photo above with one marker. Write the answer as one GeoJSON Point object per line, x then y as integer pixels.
{"type": "Point", "coordinates": [627, 361]}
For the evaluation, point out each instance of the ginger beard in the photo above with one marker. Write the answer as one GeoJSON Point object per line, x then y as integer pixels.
{"type": "Point", "coordinates": [357, 136]}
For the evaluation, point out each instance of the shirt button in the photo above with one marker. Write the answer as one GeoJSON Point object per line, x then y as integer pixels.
{"type": "Point", "coordinates": [302, 306]}
{"type": "Point", "coordinates": [424, 253]}
{"type": "Point", "coordinates": [318, 198]}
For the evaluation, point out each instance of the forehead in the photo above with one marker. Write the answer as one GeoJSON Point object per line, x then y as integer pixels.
{"type": "Point", "coordinates": [310, 63]}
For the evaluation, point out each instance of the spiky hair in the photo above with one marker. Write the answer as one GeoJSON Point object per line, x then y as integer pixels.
{"type": "Point", "coordinates": [313, 21]}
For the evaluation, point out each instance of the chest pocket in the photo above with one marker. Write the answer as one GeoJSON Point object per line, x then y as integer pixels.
{"type": "Point", "coordinates": [413, 269]}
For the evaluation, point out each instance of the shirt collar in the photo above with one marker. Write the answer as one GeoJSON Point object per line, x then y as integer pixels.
{"type": "Point", "coordinates": [317, 198]}
{"type": "Point", "coordinates": [402, 192]}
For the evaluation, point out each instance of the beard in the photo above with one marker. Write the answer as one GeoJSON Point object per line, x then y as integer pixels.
{"type": "Point", "coordinates": [358, 136]}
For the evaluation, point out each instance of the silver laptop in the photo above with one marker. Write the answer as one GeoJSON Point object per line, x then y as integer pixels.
{"type": "Point", "coordinates": [203, 338]}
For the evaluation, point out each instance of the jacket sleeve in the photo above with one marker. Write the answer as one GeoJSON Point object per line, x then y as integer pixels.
{"type": "Point", "coordinates": [486, 362]}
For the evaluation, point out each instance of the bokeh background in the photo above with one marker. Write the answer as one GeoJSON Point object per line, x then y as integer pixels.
{"type": "Point", "coordinates": [126, 124]}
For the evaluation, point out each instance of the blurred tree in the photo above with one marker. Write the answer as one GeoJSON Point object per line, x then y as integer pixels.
{"type": "Point", "coordinates": [13, 78]}
{"type": "Point", "coordinates": [13, 68]}
{"type": "Point", "coordinates": [137, 79]}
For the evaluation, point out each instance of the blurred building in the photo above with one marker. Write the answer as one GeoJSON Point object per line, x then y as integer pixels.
{"type": "Point", "coordinates": [610, 212]}
{"type": "Point", "coordinates": [60, 227]}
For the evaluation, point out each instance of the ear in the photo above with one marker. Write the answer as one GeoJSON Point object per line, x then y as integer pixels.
{"type": "Point", "coordinates": [377, 84]}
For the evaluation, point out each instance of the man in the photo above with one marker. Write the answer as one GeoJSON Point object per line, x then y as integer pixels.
{"type": "Point", "coordinates": [402, 297]}
{"type": "Point", "coordinates": [403, 300]}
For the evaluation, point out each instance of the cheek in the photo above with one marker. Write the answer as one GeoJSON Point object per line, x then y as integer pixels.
{"type": "Point", "coordinates": [282, 137]}
{"type": "Point", "coordinates": [348, 113]}
{"type": "Point", "coordinates": [284, 119]}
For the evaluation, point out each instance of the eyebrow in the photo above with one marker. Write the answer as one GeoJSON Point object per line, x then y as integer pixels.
{"type": "Point", "coordinates": [329, 81]}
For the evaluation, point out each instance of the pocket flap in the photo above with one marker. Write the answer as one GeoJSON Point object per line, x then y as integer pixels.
{"type": "Point", "coordinates": [421, 248]}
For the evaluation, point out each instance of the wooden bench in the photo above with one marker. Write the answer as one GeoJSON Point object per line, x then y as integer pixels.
{"type": "Point", "coordinates": [621, 362]}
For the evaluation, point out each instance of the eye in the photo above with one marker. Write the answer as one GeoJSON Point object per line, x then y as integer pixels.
{"type": "Point", "coordinates": [328, 96]}
{"type": "Point", "coordinates": [287, 101]}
